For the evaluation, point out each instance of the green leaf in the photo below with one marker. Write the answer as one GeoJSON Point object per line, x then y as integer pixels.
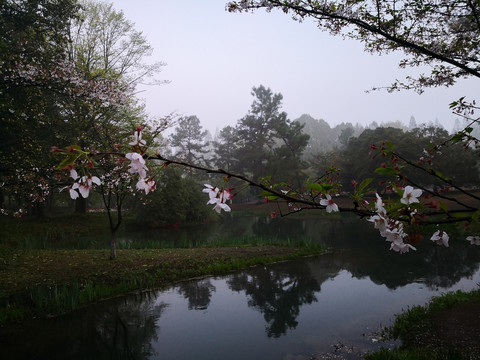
{"type": "Point", "coordinates": [386, 171]}
{"type": "Point", "coordinates": [266, 193]}
{"type": "Point", "coordinates": [364, 184]}
{"type": "Point", "coordinates": [69, 160]}
{"type": "Point", "coordinates": [457, 137]}
{"type": "Point", "coordinates": [443, 206]}
{"type": "Point", "coordinates": [476, 216]}
{"type": "Point", "coordinates": [389, 145]}
{"type": "Point", "coordinates": [327, 187]}
{"type": "Point", "coordinates": [315, 186]}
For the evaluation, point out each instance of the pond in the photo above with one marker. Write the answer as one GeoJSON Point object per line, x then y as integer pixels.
{"type": "Point", "coordinates": [314, 308]}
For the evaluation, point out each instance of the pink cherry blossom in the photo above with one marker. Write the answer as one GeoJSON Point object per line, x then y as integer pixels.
{"type": "Point", "coordinates": [440, 237]}
{"type": "Point", "coordinates": [380, 222]}
{"type": "Point", "coordinates": [219, 206]}
{"type": "Point", "coordinates": [146, 185]}
{"type": "Point", "coordinates": [410, 195]}
{"type": "Point", "coordinates": [379, 206]}
{"type": "Point", "coordinates": [211, 191]}
{"type": "Point", "coordinates": [73, 174]}
{"type": "Point", "coordinates": [137, 138]}
{"type": "Point", "coordinates": [137, 164]}
{"type": "Point", "coordinates": [401, 247]}
{"type": "Point", "coordinates": [395, 234]}
{"type": "Point", "coordinates": [72, 190]}
{"type": "Point", "coordinates": [218, 197]}
{"type": "Point", "coordinates": [474, 240]}
{"type": "Point", "coordinates": [85, 185]}
{"type": "Point", "coordinates": [329, 204]}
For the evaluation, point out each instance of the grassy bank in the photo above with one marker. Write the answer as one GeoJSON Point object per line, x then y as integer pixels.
{"type": "Point", "coordinates": [446, 328]}
{"type": "Point", "coordinates": [44, 272]}
{"type": "Point", "coordinates": [37, 283]}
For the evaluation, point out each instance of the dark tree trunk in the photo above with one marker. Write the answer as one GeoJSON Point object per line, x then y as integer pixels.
{"type": "Point", "coordinates": [81, 205]}
{"type": "Point", "coordinates": [113, 246]}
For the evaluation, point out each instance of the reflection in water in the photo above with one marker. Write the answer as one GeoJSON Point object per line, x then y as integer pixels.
{"type": "Point", "coordinates": [198, 293]}
{"type": "Point", "coordinates": [118, 329]}
{"type": "Point", "coordinates": [283, 311]}
{"type": "Point", "coordinates": [278, 295]}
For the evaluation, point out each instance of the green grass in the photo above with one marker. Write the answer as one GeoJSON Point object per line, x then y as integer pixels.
{"type": "Point", "coordinates": [414, 328]}
{"type": "Point", "coordinates": [185, 243]}
{"type": "Point", "coordinates": [43, 283]}
{"type": "Point", "coordinates": [416, 354]}
{"type": "Point", "coordinates": [54, 265]}
{"type": "Point", "coordinates": [59, 232]}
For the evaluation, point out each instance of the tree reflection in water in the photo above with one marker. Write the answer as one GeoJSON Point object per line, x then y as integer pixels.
{"type": "Point", "coordinates": [198, 293]}
{"type": "Point", "coordinates": [364, 253]}
{"type": "Point", "coordinates": [121, 329]}
{"type": "Point", "coordinates": [278, 295]}
{"type": "Point", "coordinates": [359, 266]}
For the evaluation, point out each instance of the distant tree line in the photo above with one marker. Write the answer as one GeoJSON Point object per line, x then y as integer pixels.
{"type": "Point", "coordinates": [265, 141]}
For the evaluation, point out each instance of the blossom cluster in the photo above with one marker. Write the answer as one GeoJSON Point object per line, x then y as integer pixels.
{"type": "Point", "coordinates": [218, 197]}
{"type": "Point", "coordinates": [390, 229]}
{"type": "Point", "coordinates": [330, 206]}
{"type": "Point", "coordinates": [81, 185]}
{"type": "Point", "coordinates": [137, 164]}
{"type": "Point", "coordinates": [393, 230]}
{"type": "Point", "coordinates": [63, 76]}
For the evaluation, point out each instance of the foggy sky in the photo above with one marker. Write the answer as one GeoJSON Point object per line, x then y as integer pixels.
{"type": "Point", "coordinates": [214, 58]}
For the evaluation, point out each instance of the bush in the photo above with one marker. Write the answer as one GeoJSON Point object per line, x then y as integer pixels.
{"type": "Point", "coordinates": [176, 200]}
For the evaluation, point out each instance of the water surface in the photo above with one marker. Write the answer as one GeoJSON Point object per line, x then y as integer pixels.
{"type": "Point", "coordinates": [330, 304]}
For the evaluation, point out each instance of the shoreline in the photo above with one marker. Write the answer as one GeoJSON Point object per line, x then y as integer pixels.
{"type": "Point", "coordinates": [49, 283]}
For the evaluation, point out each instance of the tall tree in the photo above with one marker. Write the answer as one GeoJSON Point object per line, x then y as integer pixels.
{"type": "Point", "coordinates": [105, 43]}
{"type": "Point", "coordinates": [287, 163]}
{"type": "Point", "coordinates": [225, 147]}
{"type": "Point", "coordinates": [189, 140]}
{"type": "Point", "coordinates": [256, 131]}
{"type": "Point", "coordinates": [36, 80]}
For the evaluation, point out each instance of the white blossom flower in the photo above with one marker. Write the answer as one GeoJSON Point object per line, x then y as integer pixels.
{"type": "Point", "coordinates": [73, 174]}
{"type": "Point", "coordinates": [410, 195]}
{"type": "Point", "coordinates": [137, 138]}
{"type": "Point", "coordinates": [218, 197]}
{"type": "Point", "coordinates": [73, 193]}
{"type": "Point", "coordinates": [401, 247]}
{"type": "Point", "coordinates": [329, 204]}
{"type": "Point", "coordinates": [72, 190]}
{"type": "Point", "coordinates": [395, 234]}
{"type": "Point", "coordinates": [380, 222]}
{"type": "Point", "coordinates": [474, 240]}
{"type": "Point", "coordinates": [379, 206]}
{"type": "Point", "coordinates": [86, 183]}
{"type": "Point", "coordinates": [225, 195]}
{"type": "Point", "coordinates": [440, 237]}
{"type": "Point", "coordinates": [212, 193]}
{"type": "Point", "coordinates": [137, 164]}
{"type": "Point", "coordinates": [219, 206]}
{"type": "Point", "coordinates": [146, 185]}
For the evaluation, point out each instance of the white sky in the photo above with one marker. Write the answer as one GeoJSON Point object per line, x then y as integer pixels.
{"type": "Point", "coordinates": [214, 58]}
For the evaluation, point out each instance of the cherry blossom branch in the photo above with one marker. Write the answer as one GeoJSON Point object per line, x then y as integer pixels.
{"type": "Point", "coordinates": [267, 188]}
{"type": "Point", "coordinates": [433, 173]}
{"type": "Point", "coordinates": [393, 220]}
